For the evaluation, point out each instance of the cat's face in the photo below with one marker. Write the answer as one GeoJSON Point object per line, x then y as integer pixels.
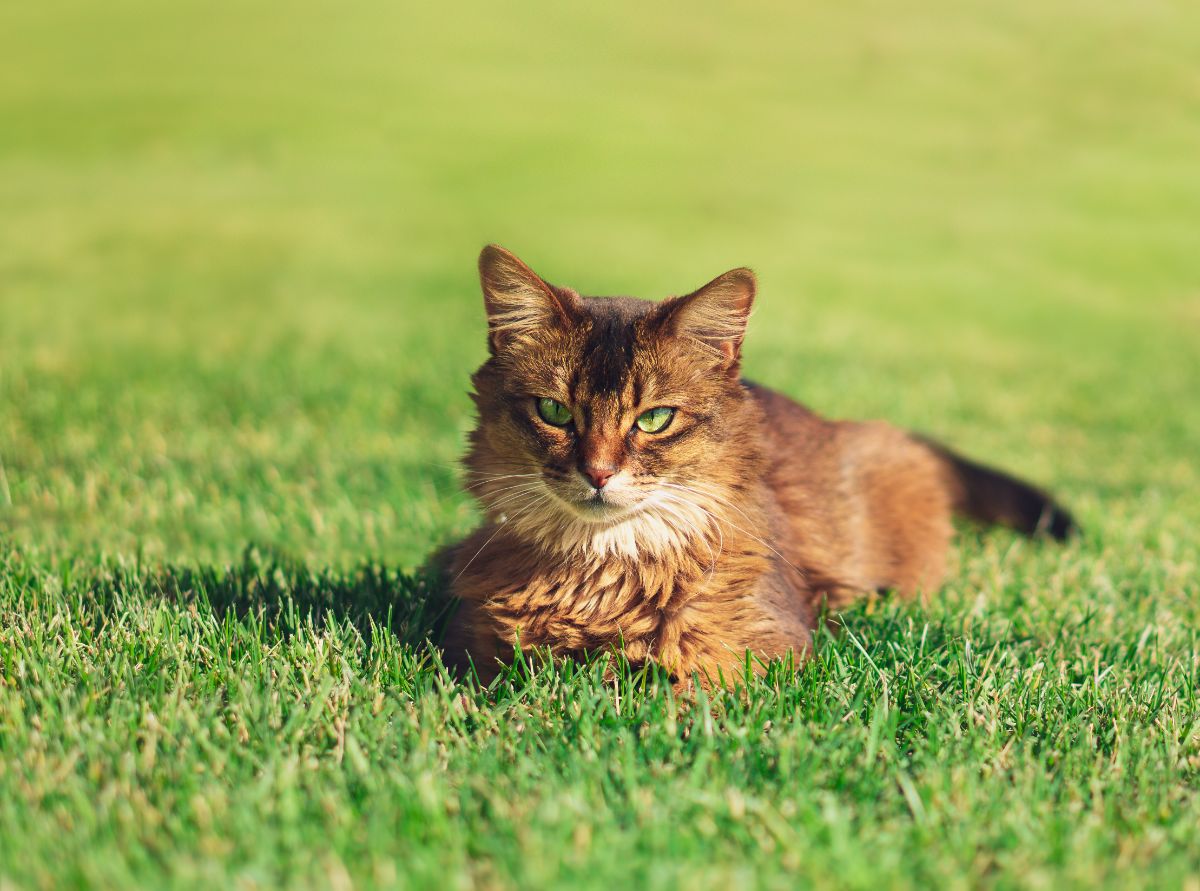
{"type": "Point", "coordinates": [608, 421]}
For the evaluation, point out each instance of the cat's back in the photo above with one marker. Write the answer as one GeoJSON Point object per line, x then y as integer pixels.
{"type": "Point", "coordinates": [790, 430]}
{"type": "Point", "coordinates": [809, 454]}
{"type": "Point", "coordinates": [863, 503]}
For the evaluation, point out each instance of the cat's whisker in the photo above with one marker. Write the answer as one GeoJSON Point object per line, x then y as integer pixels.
{"type": "Point", "coordinates": [715, 526]}
{"type": "Point", "coordinates": [468, 471]}
{"type": "Point", "coordinates": [500, 526]}
{"type": "Point", "coordinates": [722, 502]}
{"type": "Point", "coordinates": [669, 508]}
{"type": "Point", "coordinates": [477, 478]}
{"type": "Point", "coordinates": [496, 479]}
{"type": "Point", "coordinates": [738, 528]}
{"type": "Point", "coordinates": [512, 496]}
{"type": "Point", "coordinates": [485, 477]}
{"type": "Point", "coordinates": [698, 532]}
{"type": "Point", "coordinates": [708, 492]}
{"type": "Point", "coordinates": [483, 496]}
{"type": "Point", "coordinates": [503, 461]}
{"type": "Point", "coordinates": [673, 499]}
{"type": "Point", "coordinates": [513, 501]}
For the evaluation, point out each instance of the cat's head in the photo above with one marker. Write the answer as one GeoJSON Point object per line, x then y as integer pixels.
{"type": "Point", "coordinates": [607, 423]}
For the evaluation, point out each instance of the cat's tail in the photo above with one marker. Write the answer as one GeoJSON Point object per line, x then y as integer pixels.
{"type": "Point", "coordinates": [992, 496]}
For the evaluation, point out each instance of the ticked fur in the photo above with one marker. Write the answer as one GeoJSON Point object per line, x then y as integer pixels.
{"type": "Point", "coordinates": [724, 533]}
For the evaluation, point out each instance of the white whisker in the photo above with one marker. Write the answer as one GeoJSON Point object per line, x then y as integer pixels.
{"type": "Point", "coordinates": [525, 490]}
{"type": "Point", "coordinates": [733, 525]}
{"type": "Point", "coordinates": [699, 533]}
{"type": "Point", "coordinates": [533, 502]}
{"type": "Point", "coordinates": [524, 484]}
{"type": "Point", "coordinates": [497, 478]}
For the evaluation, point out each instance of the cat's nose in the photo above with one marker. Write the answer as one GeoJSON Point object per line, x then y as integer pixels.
{"type": "Point", "coordinates": [598, 476]}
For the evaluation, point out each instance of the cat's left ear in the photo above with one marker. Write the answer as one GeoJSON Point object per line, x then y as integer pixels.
{"type": "Point", "coordinates": [715, 315]}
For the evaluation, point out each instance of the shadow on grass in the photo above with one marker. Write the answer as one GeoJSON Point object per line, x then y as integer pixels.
{"type": "Point", "coordinates": [913, 658]}
{"type": "Point", "coordinates": [412, 607]}
{"type": "Point", "coordinates": [909, 643]}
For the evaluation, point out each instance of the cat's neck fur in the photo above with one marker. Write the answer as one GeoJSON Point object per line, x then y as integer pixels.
{"type": "Point", "coordinates": [581, 595]}
{"type": "Point", "coordinates": [674, 546]}
{"type": "Point", "coordinates": [680, 520]}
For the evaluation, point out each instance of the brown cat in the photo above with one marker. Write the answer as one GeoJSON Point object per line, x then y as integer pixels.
{"type": "Point", "coordinates": [639, 494]}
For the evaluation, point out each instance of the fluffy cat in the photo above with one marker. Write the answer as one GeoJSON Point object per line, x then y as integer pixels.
{"type": "Point", "coordinates": [638, 494]}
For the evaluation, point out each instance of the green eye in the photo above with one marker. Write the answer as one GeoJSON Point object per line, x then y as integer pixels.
{"type": "Point", "coordinates": [553, 412]}
{"type": "Point", "coordinates": [655, 420]}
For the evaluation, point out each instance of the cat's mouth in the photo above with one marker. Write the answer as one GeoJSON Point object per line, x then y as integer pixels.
{"type": "Point", "coordinates": [600, 506]}
{"type": "Point", "coordinates": [605, 506]}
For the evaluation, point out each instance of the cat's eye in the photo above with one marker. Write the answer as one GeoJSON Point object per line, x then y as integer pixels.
{"type": "Point", "coordinates": [655, 420]}
{"type": "Point", "coordinates": [553, 412]}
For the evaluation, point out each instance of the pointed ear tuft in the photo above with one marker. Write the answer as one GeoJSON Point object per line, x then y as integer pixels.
{"type": "Point", "coordinates": [519, 302]}
{"type": "Point", "coordinates": [715, 315]}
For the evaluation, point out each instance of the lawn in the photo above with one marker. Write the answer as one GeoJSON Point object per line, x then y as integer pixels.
{"type": "Point", "coordinates": [238, 312]}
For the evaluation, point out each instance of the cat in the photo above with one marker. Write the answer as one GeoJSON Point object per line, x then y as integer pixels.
{"type": "Point", "coordinates": [639, 494]}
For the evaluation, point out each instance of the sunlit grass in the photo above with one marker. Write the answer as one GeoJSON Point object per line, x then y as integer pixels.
{"type": "Point", "coordinates": [237, 319]}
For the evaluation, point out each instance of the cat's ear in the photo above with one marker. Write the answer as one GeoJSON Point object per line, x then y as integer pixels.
{"type": "Point", "coordinates": [519, 302]}
{"type": "Point", "coordinates": [714, 315]}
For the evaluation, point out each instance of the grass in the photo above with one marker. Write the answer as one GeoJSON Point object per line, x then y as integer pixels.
{"type": "Point", "coordinates": [237, 316]}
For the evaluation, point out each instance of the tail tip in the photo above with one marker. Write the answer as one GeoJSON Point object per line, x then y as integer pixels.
{"type": "Point", "coordinates": [1058, 523]}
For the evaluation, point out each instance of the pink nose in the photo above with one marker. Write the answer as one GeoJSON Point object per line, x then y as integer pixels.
{"type": "Point", "coordinates": [598, 475]}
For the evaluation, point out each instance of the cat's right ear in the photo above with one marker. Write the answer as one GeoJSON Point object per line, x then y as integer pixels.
{"type": "Point", "coordinates": [519, 302]}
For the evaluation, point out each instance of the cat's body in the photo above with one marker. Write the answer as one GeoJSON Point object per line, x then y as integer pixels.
{"type": "Point", "coordinates": [723, 531]}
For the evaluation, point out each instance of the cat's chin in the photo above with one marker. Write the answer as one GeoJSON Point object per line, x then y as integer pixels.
{"type": "Point", "coordinates": [602, 529]}
{"type": "Point", "coordinates": [601, 513]}
{"type": "Point", "coordinates": [597, 509]}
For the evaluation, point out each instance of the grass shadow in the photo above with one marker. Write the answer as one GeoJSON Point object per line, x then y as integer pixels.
{"type": "Point", "coordinates": [414, 607]}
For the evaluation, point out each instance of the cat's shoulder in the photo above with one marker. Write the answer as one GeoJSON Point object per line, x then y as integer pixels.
{"type": "Point", "coordinates": [776, 406]}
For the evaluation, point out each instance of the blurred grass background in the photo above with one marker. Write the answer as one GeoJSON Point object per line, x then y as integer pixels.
{"type": "Point", "coordinates": [237, 241]}
{"type": "Point", "coordinates": [238, 309]}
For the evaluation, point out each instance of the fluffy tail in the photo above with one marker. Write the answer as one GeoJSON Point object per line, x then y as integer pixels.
{"type": "Point", "coordinates": [991, 496]}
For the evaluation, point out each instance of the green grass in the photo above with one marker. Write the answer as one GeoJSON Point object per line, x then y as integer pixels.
{"type": "Point", "coordinates": [237, 317]}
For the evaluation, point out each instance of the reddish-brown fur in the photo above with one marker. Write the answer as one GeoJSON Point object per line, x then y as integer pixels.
{"type": "Point", "coordinates": [724, 534]}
